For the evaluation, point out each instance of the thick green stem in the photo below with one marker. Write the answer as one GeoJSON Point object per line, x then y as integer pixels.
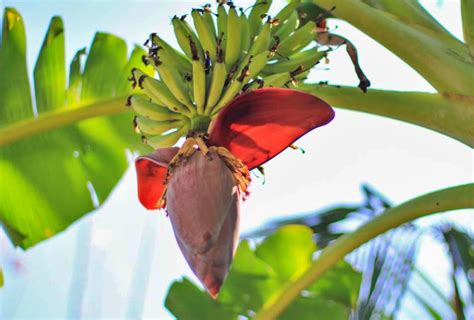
{"type": "Point", "coordinates": [459, 197]}
{"type": "Point", "coordinates": [452, 115]}
{"type": "Point", "coordinates": [59, 118]}
{"type": "Point", "coordinates": [200, 123]}
{"type": "Point", "coordinates": [467, 13]}
{"type": "Point", "coordinates": [447, 65]}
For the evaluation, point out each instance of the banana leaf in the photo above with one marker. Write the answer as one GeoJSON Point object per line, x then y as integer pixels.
{"type": "Point", "coordinates": [51, 179]}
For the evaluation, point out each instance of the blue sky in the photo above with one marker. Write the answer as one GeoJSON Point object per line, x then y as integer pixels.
{"type": "Point", "coordinates": [399, 159]}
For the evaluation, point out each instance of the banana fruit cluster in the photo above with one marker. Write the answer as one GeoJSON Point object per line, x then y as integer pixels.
{"type": "Point", "coordinates": [226, 53]}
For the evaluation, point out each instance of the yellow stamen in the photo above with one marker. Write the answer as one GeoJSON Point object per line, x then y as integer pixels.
{"type": "Point", "coordinates": [192, 144]}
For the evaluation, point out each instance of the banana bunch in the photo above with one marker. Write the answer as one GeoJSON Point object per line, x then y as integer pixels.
{"type": "Point", "coordinates": [223, 54]}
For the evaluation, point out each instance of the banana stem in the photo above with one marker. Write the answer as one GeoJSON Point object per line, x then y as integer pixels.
{"type": "Point", "coordinates": [451, 115]}
{"type": "Point", "coordinates": [59, 118]}
{"type": "Point", "coordinates": [458, 197]}
{"type": "Point", "coordinates": [441, 59]}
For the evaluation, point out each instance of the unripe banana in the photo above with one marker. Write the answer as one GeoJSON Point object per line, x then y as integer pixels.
{"type": "Point", "coordinates": [174, 81]}
{"type": "Point", "coordinates": [166, 140]}
{"type": "Point", "coordinates": [256, 65]}
{"type": "Point", "coordinates": [144, 107]}
{"type": "Point", "coordinates": [183, 31]}
{"type": "Point", "coordinates": [307, 59]}
{"type": "Point", "coordinates": [194, 36]}
{"type": "Point", "coordinates": [232, 90]}
{"type": "Point", "coordinates": [159, 92]}
{"type": "Point", "coordinates": [298, 40]}
{"type": "Point", "coordinates": [253, 67]}
{"type": "Point", "coordinates": [234, 37]}
{"type": "Point", "coordinates": [245, 26]}
{"type": "Point", "coordinates": [222, 25]}
{"type": "Point", "coordinates": [170, 55]}
{"type": "Point", "coordinates": [219, 75]}
{"type": "Point", "coordinates": [181, 36]}
{"type": "Point", "coordinates": [287, 27]}
{"type": "Point", "coordinates": [152, 127]}
{"type": "Point", "coordinates": [277, 80]}
{"type": "Point", "coordinates": [262, 42]}
{"type": "Point", "coordinates": [259, 9]}
{"type": "Point", "coordinates": [284, 14]}
{"type": "Point", "coordinates": [199, 80]}
{"type": "Point", "coordinates": [206, 35]}
{"type": "Point", "coordinates": [207, 14]}
{"type": "Point", "coordinates": [283, 79]}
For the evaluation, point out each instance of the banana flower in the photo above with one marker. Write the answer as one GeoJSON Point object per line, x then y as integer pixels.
{"type": "Point", "coordinates": [202, 184]}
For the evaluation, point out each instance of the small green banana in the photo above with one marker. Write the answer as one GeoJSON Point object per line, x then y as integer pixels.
{"type": "Point", "coordinates": [260, 8]}
{"type": "Point", "coordinates": [206, 35]}
{"type": "Point", "coordinates": [222, 25]}
{"type": "Point", "coordinates": [298, 40]}
{"type": "Point", "coordinates": [245, 26]}
{"type": "Point", "coordinates": [234, 37]}
{"type": "Point", "coordinates": [182, 36]}
{"type": "Point", "coordinates": [183, 31]}
{"type": "Point", "coordinates": [277, 80]}
{"type": "Point", "coordinates": [307, 59]}
{"type": "Point", "coordinates": [256, 65]}
{"type": "Point", "coordinates": [262, 42]}
{"type": "Point", "coordinates": [199, 79]}
{"type": "Point", "coordinates": [283, 79]}
{"type": "Point", "coordinates": [241, 78]}
{"type": "Point", "coordinates": [219, 75]}
{"type": "Point", "coordinates": [207, 14]}
{"type": "Point", "coordinates": [170, 55]}
{"type": "Point", "coordinates": [283, 30]}
{"type": "Point", "coordinates": [166, 140]}
{"type": "Point", "coordinates": [190, 32]}
{"type": "Point", "coordinates": [152, 127]}
{"type": "Point", "coordinates": [159, 92]}
{"type": "Point", "coordinates": [285, 14]}
{"type": "Point", "coordinates": [144, 107]}
{"type": "Point", "coordinates": [174, 81]}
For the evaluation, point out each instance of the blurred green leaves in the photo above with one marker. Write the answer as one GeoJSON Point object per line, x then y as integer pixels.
{"type": "Point", "coordinates": [48, 180]}
{"type": "Point", "coordinates": [258, 273]}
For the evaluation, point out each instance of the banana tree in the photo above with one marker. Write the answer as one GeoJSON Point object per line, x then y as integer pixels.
{"type": "Point", "coordinates": [51, 161]}
{"type": "Point", "coordinates": [79, 155]}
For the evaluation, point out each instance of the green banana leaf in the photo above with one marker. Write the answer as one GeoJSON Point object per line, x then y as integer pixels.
{"type": "Point", "coordinates": [49, 180]}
